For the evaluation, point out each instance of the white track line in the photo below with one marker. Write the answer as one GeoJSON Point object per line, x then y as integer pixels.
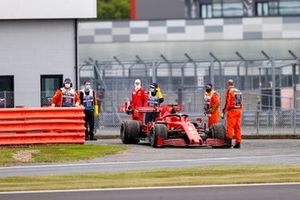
{"type": "Point", "coordinates": [152, 188]}
{"type": "Point", "coordinates": [148, 161]}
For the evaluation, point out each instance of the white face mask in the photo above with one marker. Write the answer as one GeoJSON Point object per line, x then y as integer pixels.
{"type": "Point", "coordinates": [152, 90]}
{"type": "Point", "coordinates": [87, 87]}
{"type": "Point", "coordinates": [137, 87]}
{"type": "Point", "coordinates": [137, 84]}
{"type": "Point", "coordinates": [67, 85]}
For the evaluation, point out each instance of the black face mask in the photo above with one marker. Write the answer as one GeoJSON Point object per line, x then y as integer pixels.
{"type": "Point", "coordinates": [208, 90]}
{"type": "Point", "coordinates": [153, 93]}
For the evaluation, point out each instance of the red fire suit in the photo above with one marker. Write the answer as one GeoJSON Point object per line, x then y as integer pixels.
{"type": "Point", "coordinates": [139, 98]}
{"type": "Point", "coordinates": [233, 107]}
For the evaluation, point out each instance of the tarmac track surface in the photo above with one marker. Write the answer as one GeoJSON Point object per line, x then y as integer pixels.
{"type": "Point", "coordinates": [230, 192]}
{"type": "Point", "coordinates": [142, 156]}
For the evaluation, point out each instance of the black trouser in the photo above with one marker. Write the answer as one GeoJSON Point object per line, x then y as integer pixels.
{"type": "Point", "coordinates": [89, 124]}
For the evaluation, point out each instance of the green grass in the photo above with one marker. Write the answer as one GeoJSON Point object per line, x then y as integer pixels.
{"type": "Point", "coordinates": [165, 177]}
{"type": "Point", "coordinates": [54, 153]}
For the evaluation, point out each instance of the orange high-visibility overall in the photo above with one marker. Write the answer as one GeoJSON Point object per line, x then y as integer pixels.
{"type": "Point", "coordinates": [212, 102]}
{"type": "Point", "coordinates": [65, 98]}
{"type": "Point", "coordinates": [233, 107]}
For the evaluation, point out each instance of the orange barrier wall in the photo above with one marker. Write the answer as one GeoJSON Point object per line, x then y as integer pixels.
{"type": "Point", "coordinates": [45, 125]}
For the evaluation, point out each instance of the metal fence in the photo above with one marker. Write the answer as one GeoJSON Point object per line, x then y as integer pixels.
{"type": "Point", "coordinates": [261, 81]}
{"type": "Point", "coordinates": [270, 87]}
{"type": "Point", "coordinates": [271, 92]}
{"type": "Point", "coordinates": [255, 120]}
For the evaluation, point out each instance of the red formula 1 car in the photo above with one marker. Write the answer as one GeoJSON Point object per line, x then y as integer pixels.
{"type": "Point", "coordinates": [171, 129]}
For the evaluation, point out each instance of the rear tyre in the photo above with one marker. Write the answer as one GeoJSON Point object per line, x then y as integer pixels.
{"type": "Point", "coordinates": [158, 130]}
{"type": "Point", "coordinates": [130, 131]}
{"type": "Point", "coordinates": [218, 131]}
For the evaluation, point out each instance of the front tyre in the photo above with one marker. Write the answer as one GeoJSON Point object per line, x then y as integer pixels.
{"type": "Point", "coordinates": [218, 131]}
{"type": "Point", "coordinates": [159, 131]}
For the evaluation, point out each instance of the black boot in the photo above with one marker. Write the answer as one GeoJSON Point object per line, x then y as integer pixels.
{"type": "Point", "coordinates": [86, 137]}
{"type": "Point", "coordinates": [237, 145]}
{"type": "Point", "coordinates": [92, 137]}
{"type": "Point", "coordinates": [228, 142]}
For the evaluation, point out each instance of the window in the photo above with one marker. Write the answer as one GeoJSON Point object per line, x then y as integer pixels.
{"type": "Point", "coordinates": [289, 7]}
{"type": "Point", "coordinates": [240, 8]}
{"type": "Point", "coordinates": [206, 10]}
{"type": "Point", "coordinates": [49, 84]}
{"type": "Point", "coordinates": [273, 8]}
{"type": "Point", "coordinates": [262, 8]}
{"type": "Point", "coordinates": [190, 9]}
{"type": "Point", "coordinates": [217, 10]}
{"type": "Point", "coordinates": [6, 91]}
{"type": "Point", "coordinates": [233, 8]}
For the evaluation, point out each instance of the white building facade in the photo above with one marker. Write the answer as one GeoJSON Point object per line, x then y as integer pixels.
{"type": "Point", "coordinates": [38, 48]}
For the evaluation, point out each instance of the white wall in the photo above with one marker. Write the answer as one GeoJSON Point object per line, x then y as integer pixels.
{"type": "Point", "coordinates": [47, 9]}
{"type": "Point", "coordinates": [30, 48]}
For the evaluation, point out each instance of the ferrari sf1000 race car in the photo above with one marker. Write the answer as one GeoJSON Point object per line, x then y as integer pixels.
{"type": "Point", "coordinates": [170, 129]}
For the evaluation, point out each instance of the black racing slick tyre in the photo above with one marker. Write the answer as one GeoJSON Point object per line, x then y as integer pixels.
{"type": "Point", "coordinates": [158, 130]}
{"type": "Point", "coordinates": [130, 131]}
{"type": "Point", "coordinates": [218, 131]}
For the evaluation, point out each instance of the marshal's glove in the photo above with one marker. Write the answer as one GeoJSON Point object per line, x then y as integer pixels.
{"type": "Point", "coordinates": [129, 110]}
{"type": "Point", "coordinates": [210, 111]}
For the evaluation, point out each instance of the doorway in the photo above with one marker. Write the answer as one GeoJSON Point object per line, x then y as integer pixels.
{"type": "Point", "coordinates": [49, 84]}
{"type": "Point", "coordinates": [6, 91]}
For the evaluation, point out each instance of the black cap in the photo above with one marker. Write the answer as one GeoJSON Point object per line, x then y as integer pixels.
{"type": "Point", "coordinates": [67, 80]}
{"type": "Point", "coordinates": [208, 85]}
{"type": "Point", "coordinates": [153, 85]}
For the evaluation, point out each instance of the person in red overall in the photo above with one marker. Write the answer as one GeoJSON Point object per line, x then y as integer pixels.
{"type": "Point", "coordinates": [65, 96]}
{"type": "Point", "coordinates": [211, 105]}
{"type": "Point", "coordinates": [233, 108]}
{"type": "Point", "coordinates": [139, 98]}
